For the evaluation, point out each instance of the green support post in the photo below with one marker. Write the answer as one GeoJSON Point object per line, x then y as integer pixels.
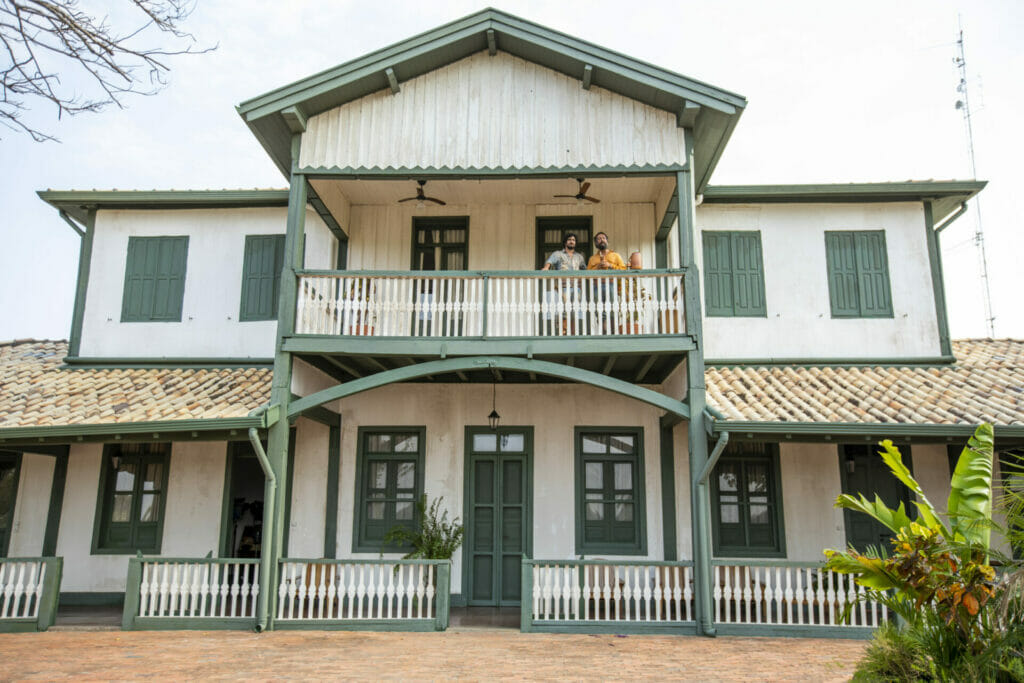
{"type": "Point", "coordinates": [444, 596]}
{"type": "Point", "coordinates": [50, 598]}
{"type": "Point", "coordinates": [526, 598]}
{"type": "Point", "coordinates": [84, 263]}
{"type": "Point", "coordinates": [281, 389]}
{"type": "Point", "coordinates": [131, 593]}
{"type": "Point", "coordinates": [695, 393]}
{"type": "Point", "coordinates": [938, 284]}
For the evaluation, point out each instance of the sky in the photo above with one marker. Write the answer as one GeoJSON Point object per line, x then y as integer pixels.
{"type": "Point", "coordinates": [838, 92]}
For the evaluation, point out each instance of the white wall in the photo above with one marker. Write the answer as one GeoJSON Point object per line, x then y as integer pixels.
{"type": "Point", "coordinates": [31, 505]}
{"type": "Point", "coordinates": [799, 323]}
{"type": "Point", "coordinates": [501, 236]}
{"type": "Point", "coordinates": [810, 485]}
{"type": "Point", "coordinates": [553, 411]}
{"type": "Point", "coordinates": [209, 324]}
{"type": "Point", "coordinates": [309, 490]}
{"type": "Point", "coordinates": [492, 112]}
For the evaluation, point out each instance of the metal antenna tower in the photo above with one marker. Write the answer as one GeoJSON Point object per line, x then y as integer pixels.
{"type": "Point", "coordinates": [964, 105]}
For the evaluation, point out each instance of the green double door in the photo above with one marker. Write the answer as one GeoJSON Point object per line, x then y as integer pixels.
{"type": "Point", "coordinates": [498, 513]}
{"type": "Point", "coordinates": [863, 471]}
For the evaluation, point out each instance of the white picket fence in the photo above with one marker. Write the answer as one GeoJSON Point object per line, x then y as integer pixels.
{"type": "Point", "coordinates": [357, 590]}
{"type": "Point", "coordinates": [790, 595]}
{"type": "Point", "coordinates": [601, 591]}
{"type": "Point", "coordinates": [201, 588]}
{"type": "Point", "coordinates": [490, 305]}
{"type": "Point", "coordinates": [21, 588]}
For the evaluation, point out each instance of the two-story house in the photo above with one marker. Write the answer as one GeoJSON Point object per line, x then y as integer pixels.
{"type": "Point", "coordinates": [259, 385]}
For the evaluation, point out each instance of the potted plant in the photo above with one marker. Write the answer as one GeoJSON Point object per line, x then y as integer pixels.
{"type": "Point", "coordinates": [433, 538]}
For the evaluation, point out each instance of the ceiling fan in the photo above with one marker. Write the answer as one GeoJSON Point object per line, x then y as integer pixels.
{"type": "Point", "coordinates": [420, 198]}
{"type": "Point", "coordinates": [581, 195]}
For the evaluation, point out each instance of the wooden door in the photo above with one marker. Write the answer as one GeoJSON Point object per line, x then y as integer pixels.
{"type": "Point", "coordinates": [864, 472]}
{"type": "Point", "coordinates": [498, 513]}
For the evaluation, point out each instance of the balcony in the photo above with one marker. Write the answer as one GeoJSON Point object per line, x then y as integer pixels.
{"type": "Point", "coordinates": [626, 324]}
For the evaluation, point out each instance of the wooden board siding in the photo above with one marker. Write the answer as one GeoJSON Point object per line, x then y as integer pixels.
{"type": "Point", "coordinates": [501, 236]}
{"type": "Point", "coordinates": [492, 112]}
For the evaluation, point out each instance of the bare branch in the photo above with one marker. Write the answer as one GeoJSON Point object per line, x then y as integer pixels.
{"type": "Point", "coordinates": [42, 40]}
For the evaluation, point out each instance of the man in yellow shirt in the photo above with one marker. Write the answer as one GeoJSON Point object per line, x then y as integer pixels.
{"type": "Point", "coordinates": [605, 258]}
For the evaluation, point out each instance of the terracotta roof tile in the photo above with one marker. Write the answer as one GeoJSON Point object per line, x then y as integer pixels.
{"type": "Point", "coordinates": [986, 384]}
{"type": "Point", "coordinates": [36, 391]}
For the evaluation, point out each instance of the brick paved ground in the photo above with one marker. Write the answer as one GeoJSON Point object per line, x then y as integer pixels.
{"type": "Point", "coordinates": [456, 654]}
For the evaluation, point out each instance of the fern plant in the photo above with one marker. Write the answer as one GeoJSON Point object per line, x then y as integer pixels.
{"type": "Point", "coordinates": [433, 538]}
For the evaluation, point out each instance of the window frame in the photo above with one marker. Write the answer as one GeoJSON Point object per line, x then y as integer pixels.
{"type": "Point", "coordinates": [359, 542]}
{"type": "Point", "coordinates": [279, 243]}
{"type": "Point", "coordinates": [776, 506]}
{"type": "Point", "coordinates": [639, 545]}
{"type": "Point", "coordinates": [581, 225]}
{"type": "Point", "coordinates": [434, 222]}
{"type": "Point", "coordinates": [149, 316]}
{"type": "Point", "coordinates": [831, 269]}
{"type": "Point", "coordinates": [104, 507]}
{"type": "Point", "coordinates": [762, 311]}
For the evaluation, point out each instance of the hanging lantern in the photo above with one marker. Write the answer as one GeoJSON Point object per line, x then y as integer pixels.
{"type": "Point", "coordinates": [493, 419]}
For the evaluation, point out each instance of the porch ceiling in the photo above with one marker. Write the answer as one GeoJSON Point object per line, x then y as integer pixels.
{"type": "Point", "coordinates": [497, 191]}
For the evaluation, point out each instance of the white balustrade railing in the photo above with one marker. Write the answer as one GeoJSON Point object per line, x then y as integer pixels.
{"type": "Point", "coordinates": [468, 304]}
{"type": "Point", "coordinates": [197, 588]}
{"type": "Point", "coordinates": [21, 588]}
{"type": "Point", "coordinates": [391, 590]}
{"type": "Point", "coordinates": [787, 594]}
{"type": "Point", "coordinates": [597, 591]}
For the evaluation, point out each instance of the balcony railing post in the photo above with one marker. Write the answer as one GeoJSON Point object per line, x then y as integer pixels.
{"type": "Point", "coordinates": [483, 329]}
{"type": "Point", "coordinates": [526, 597]}
{"type": "Point", "coordinates": [133, 585]}
{"type": "Point", "coordinates": [50, 595]}
{"type": "Point", "coordinates": [444, 594]}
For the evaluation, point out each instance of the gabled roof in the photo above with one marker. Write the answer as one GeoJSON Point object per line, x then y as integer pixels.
{"type": "Point", "coordinates": [711, 111]}
{"type": "Point", "coordinates": [75, 203]}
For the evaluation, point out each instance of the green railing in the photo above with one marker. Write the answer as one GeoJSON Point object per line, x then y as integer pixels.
{"type": "Point", "coordinates": [377, 595]}
{"type": "Point", "coordinates": [778, 597]}
{"type": "Point", "coordinates": [190, 593]}
{"type": "Point", "coordinates": [29, 592]}
{"type": "Point", "coordinates": [607, 596]}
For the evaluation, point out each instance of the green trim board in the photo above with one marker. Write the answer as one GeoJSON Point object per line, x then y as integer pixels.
{"type": "Point", "coordinates": [114, 362]}
{"type": "Point", "coordinates": [82, 283]}
{"type": "Point", "coordinates": [734, 484]}
{"type": "Point", "coordinates": [57, 486]}
{"type": "Point", "coordinates": [530, 347]}
{"type": "Point", "coordinates": [333, 483]}
{"type": "Point", "coordinates": [788, 631]}
{"type": "Point", "coordinates": [494, 362]}
{"type": "Point", "coordinates": [494, 489]}
{"type": "Point", "coordinates": [666, 445]}
{"type": "Point", "coordinates": [488, 172]}
{"type": "Point", "coordinates": [78, 203]}
{"type": "Point", "coordinates": [152, 431]}
{"type": "Point", "coordinates": [714, 119]}
{"type": "Point", "coordinates": [832, 362]}
{"type": "Point", "coordinates": [92, 599]}
{"type": "Point", "coordinates": [380, 456]}
{"type": "Point", "coordinates": [841, 432]}
{"type": "Point", "coordinates": [624, 628]}
{"type": "Point", "coordinates": [10, 461]}
{"type": "Point", "coordinates": [135, 533]}
{"type": "Point", "coordinates": [610, 484]}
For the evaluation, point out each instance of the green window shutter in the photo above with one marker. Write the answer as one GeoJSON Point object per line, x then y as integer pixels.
{"type": "Point", "coordinates": [843, 285]}
{"type": "Point", "coordinates": [154, 281]}
{"type": "Point", "coordinates": [261, 276]}
{"type": "Point", "coordinates": [718, 295]}
{"type": "Point", "coordinates": [873, 274]}
{"type": "Point", "coordinates": [747, 274]}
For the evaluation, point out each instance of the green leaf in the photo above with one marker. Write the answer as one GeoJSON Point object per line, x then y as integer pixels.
{"type": "Point", "coordinates": [893, 520]}
{"type": "Point", "coordinates": [970, 495]}
{"type": "Point", "coordinates": [894, 460]}
{"type": "Point", "coordinates": [870, 571]}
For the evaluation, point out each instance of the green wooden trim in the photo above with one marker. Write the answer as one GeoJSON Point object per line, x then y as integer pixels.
{"type": "Point", "coordinates": [609, 563]}
{"type": "Point", "coordinates": [777, 510]}
{"type": "Point", "coordinates": [754, 561]}
{"type": "Point", "coordinates": [296, 118]}
{"type": "Point", "coordinates": [49, 599]}
{"type": "Point", "coordinates": [77, 203]}
{"type": "Point", "coordinates": [331, 507]}
{"type": "Point", "coordinates": [489, 173]}
{"type": "Point", "coordinates": [668, 492]}
{"type": "Point", "coordinates": [15, 458]}
{"type": "Point", "coordinates": [132, 597]}
{"type": "Point", "coordinates": [165, 260]}
{"type": "Point", "coordinates": [332, 224]}
{"type": "Point", "coordinates": [389, 74]}
{"type": "Point", "coordinates": [92, 599]}
{"type": "Point", "coordinates": [912, 191]}
{"type": "Point", "coordinates": [670, 217]}
{"type": "Point", "coordinates": [20, 625]}
{"type": "Point", "coordinates": [100, 520]}
{"type": "Point", "coordinates": [938, 281]}
{"type": "Point", "coordinates": [530, 347]}
{"type": "Point", "coordinates": [117, 362]}
{"type": "Point", "coordinates": [82, 284]}
{"type": "Point", "coordinates": [639, 547]}
{"type": "Point", "coordinates": [492, 273]}
{"type": "Point", "coordinates": [60, 475]}
{"type": "Point", "coordinates": [830, 362]}
{"type": "Point", "coordinates": [324, 416]}
{"type": "Point", "coordinates": [467, 511]}
{"type": "Point", "coordinates": [286, 531]}
{"type": "Point", "coordinates": [612, 628]}
{"type": "Point", "coordinates": [383, 625]}
{"type": "Point", "coordinates": [442, 596]}
{"type": "Point", "coordinates": [192, 624]}
{"type": "Point", "coordinates": [149, 431]}
{"type": "Point", "coordinates": [349, 560]}
{"type": "Point", "coordinates": [868, 431]}
{"type": "Point", "coordinates": [503, 363]}
{"type": "Point", "coordinates": [794, 631]}
{"type": "Point", "coordinates": [359, 543]}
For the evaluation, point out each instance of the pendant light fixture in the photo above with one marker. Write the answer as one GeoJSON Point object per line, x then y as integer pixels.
{"type": "Point", "coordinates": [494, 419]}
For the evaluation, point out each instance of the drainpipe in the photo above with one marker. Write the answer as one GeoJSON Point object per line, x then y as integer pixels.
{"type": "Point", "coordinates": [266, 552]}
{"type": "Point", "coordinates": [960, 212]}
{"type": "Point", "coordinates": [707, 622]}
